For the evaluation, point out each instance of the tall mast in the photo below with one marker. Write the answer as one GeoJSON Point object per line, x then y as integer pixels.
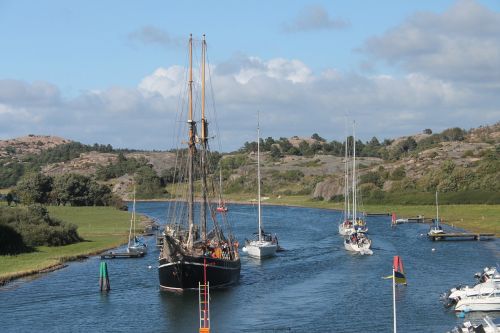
{"type": "Point", "coordinates": [437, 210]}
{"type": "Point", "coordinates": [192, 147]}
{"type": "Point", "coordinates": [203, 208]}
{"type": "Point", "coordinates": [347, 208]}
{"type": "Point", "coordinates": [258, 176]}
{"type": "Point", "coordinates": [354, 208]}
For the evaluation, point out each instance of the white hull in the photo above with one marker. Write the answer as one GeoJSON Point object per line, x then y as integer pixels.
{"type": "Point", "coordinates": [484, 289]}
{"type": "Point", "coordinates": [362, 249]}
{"type": "Point", "coordinates": [479, 303]}
{"type": "Point", "coordinates": [138, 249]}
{"type": "Point", "coordinates": [260, 249]}
{"type": "Point", "coordinates": [345, 231]}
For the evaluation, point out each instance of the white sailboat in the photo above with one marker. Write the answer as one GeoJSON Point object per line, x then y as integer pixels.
{"type": "Point", "coordinates": [357, 241]}
{"type": "Point", "coordinates": [436, 229]}
{"type": "Point", "coordinates": [346, 227]}
{"type": "Point", "coordinates": [264, 245]}
{"type": "Point", "coordinates": [135, 244]}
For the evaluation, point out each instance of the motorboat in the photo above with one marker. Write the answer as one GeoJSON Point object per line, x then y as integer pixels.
{"type": "Point", "coordinates": [482, 302]}
{"type": "Point", "coordinates": [489, 282]}
{"type": "Point", "coordinates": [485, 325]}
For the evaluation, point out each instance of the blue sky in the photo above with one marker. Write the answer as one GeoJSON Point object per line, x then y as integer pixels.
{"type": "Point", "coordinates": [73, 68]}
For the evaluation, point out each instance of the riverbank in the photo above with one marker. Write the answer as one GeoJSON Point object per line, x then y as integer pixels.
{"type": "Point", "coordinates": [473, 218]}
{"type": "Point", "coordinates": [102, 228]}
{"type": "Point", "coordinates": [105, 228]}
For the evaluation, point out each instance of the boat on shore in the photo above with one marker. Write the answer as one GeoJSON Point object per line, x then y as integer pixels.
{"type": "Point", "coordinates": [189, 246]}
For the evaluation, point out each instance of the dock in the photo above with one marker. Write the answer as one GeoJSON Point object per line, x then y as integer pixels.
{"type": "Point", "coordinates": [121, 255]}
{"type": "Point", "coordinates": [461, 236]}
{"type": "Point", "coordinates": [418, 219]}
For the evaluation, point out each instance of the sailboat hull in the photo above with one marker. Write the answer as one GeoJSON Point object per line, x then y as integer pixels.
{"type": "Point", "coordinates": [188, 272]}
{"type": "Point", "coordinates": [363, 248]}
{"type": "Point", "coordinates": [261, 250]}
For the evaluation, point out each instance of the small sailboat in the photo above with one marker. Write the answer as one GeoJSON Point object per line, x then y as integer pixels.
{"type": "Point", "coordinates": [135, 244]}
{"type": "Point", "coordinates": [221, 207]}
{"type": "Point", "coordinates": [436, 229]}
{"type": "Point", "coordinates": [264, 245]}
{"type": "Point", "coordinates": [357, 241]}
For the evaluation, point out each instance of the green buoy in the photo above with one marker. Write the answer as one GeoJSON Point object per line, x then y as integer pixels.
{"type": "Point", "coordinates": [104, 277]}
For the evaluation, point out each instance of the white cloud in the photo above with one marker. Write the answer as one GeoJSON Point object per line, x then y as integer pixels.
{"type": "Point", "coordinates": [461, 44]}
{"type": "Point", "coordinates": [154, 36]}
{"type": "Point", "coordinates": [314, 17]}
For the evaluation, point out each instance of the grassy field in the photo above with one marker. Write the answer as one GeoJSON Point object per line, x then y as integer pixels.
{"type": "Point", "coordinates": [474, 218]}
{"type": "Point", "coordinates": [101, 227]}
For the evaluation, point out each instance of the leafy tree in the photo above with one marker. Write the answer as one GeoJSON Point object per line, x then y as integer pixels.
{"type": "Point", "coordinates": [316, 137]}
{"type": "Point", "coordinates": [276, 152]}
{"type": "Point", "coordinates": [34, 188]}
{"type": "Point", "coordinates": [453, 134]}
{"type": "Point", "coordinates": [427, 131]}
{"type": "Point", "coordinates": [148, 184]}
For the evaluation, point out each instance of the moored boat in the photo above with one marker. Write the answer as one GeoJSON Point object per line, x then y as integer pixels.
{"type": "Point", "coordinates": [264, 245]}
{"type": "Point", "coordinates": [135, 244]}
{"type": "Point", "coordinates": [188, 245]}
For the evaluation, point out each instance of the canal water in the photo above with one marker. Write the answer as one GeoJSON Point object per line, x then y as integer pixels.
{"type": "Point", "coordinates": [313, 286]}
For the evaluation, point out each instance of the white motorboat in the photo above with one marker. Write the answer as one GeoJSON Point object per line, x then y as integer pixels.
{"type": "Point", "coordinates": [489, 283]}
{"type": "Point", "coordinates": [264, 245]}
{"type": "Point", "coordinates": [486, 325]}
{"type": "Point", "coordinates": [489, 302]}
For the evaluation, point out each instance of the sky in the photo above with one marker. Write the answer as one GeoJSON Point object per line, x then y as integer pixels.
{"type": "Point", "coordinates": [114, 72]}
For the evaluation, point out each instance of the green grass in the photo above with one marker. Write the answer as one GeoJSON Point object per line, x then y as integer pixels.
{"type": "Point", "coordinates": [102, 228]}
{"type": "Point", "coordinates": [474, 218]}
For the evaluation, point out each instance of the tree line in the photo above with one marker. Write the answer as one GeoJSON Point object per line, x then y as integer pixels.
{"type": "Point", "coordinates": [372, 148]}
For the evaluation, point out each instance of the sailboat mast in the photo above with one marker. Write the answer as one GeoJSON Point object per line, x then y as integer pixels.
{"type": "Point", "coordinates": [347, 207]}
{"type": "Point", "coordinates": [132, 221]}
{"type": "Point", "coordinates": [203, 208]}
{"type": "Point", "coordinates": [354, 208]}
{"type": "Point", "coordinates": [437, 210]}
{"type": "Point", "coordinates": [258, 177]}
{"type": "Point", "coordinates": [192, 147]}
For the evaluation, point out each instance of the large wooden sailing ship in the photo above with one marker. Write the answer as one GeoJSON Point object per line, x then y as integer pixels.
{"type": "Point", "coordinates": [188, 245]}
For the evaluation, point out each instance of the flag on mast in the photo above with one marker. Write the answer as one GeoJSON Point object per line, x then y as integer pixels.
{"type": "Point", "coordinates": [399, 275]}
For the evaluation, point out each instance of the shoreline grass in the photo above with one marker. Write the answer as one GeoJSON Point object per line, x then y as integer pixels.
{"type": "Point", "coordinates": [102, 228]}
{"type": "Point", "coordinates": [105, 228]}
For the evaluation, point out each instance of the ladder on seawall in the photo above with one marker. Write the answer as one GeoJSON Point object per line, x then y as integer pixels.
{"type": "Point", "coordinates": [204, 301]}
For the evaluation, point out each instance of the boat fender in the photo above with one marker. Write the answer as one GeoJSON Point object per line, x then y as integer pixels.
{"type": "Point", "coordinates": [461, 314]}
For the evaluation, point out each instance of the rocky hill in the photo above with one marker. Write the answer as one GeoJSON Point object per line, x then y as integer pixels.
{"type": "Point", "coordinates": [30, 144]}
{"type": "Point", "coordinates": [307, 166]}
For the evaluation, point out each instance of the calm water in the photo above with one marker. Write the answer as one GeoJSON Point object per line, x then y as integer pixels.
{"type": "Point", "coordinates": [314, 286]}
